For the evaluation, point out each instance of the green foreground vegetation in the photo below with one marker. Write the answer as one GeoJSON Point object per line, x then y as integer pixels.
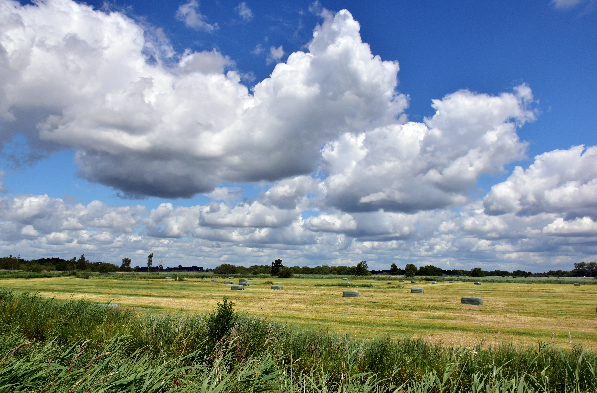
{"type": "Point", "coordinates": [51, 345]}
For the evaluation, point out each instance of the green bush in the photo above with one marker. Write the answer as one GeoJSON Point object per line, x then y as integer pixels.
{"type": "Point", "coordinates": [285, 272]}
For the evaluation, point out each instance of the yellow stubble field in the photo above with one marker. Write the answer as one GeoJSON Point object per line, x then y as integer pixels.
{"type": "Point", "coordinates": [519, 313]}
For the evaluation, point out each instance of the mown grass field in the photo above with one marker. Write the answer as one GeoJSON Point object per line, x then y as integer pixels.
{"type": "Point", "coordinates": [562, 314]}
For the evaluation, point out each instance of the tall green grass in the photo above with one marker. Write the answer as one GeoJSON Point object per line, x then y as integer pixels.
{"type": "Point", "coordinates": [82, 346]}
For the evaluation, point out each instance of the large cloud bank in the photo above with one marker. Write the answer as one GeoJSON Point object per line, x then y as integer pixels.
{"type": "Point", "coordinates": [349, 177]}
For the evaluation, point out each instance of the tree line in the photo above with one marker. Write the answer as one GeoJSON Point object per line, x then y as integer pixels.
{"type": "Point", "coordinates": [277, 268]}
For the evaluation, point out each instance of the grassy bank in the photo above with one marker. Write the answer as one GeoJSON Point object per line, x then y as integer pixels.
{"type": "Point", "coordinates": [56, 344]}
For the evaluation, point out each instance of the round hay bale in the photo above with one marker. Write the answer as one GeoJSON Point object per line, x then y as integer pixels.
{"type": "Point", "coordinates": [277, 287]}
{"type": "Point", "coordinates": [214, 281]}
{"type": "Point", "coordinates": [401, 281]}
{"type": "Point", "coordinates": [344, 278]}
{"type": "Point", "coordinates": [477, 283]}
{"type": "Point", "coordinates": [528, 282]}
{"type": "Point", "coordinates": [577, 284]}
{"type": "Point", "coordinates": [472, 300]}
{"type": "Point", "coordinates": [350, 294]}
{"type": "Point", "coordinates": [434, 282]}
{"type": "Point", "coordinates": [231, 278]}
{"type": "Point", "coordinates": [451, 282]}
{"type": "Point", "coordinates": [237, 287]}
{"type": "Point", "coordinates": [242, 281]}
{"type": "Point", "coordinates": [249, 279]}
{"type": "Point", "coordinates": [417, 290]}
{"type": "Point", "coordinates": [413, 282]}
{"type": "Point", "coordinates": [229, 282]}
{"type": "Point", "coordinates": [389, 282]}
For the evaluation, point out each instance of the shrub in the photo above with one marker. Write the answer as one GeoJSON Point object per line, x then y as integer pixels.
{"type": "Point", "coordinates": [220, 321]}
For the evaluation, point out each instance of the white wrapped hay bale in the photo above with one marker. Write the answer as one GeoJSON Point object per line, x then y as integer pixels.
{"type": "Point", "coordinates": [237, 287]}
{"type": "Point", "coordinates": [477, 283]}
{"type": "Point", "coordinates": [472, 300]}
{"type": "Point", "coordinates": [243, 281]}
{"type": "Point", "coordinates": [389, 282]}
{"type": "Point", "coordinates": [417, 290]}
{"type": "Point", "coordinates": [434, 282]}
{"type": "Point", "coordinates": [229, 282]}
{"type": "Point", "coordinates": [214, 281]}
{"type": "Point", "coordinates": [350, 294]}
{"type": "Point", "coordinates": [344, 278]}
{"type": "Point", "coordinates": [577, 284]}
{"type": "Point", "coordinates": [277, 287]}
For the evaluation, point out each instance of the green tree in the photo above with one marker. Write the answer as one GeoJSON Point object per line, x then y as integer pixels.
{"type": "Point", "coordinates": [285, 272]}
{"type": "Point", "coordinates": [149, 262]}
{"type": "Point", "coordinates": [410, 270]}
{"type": "Point", "coordinates": [362, 269]}
{"type": "Point", "coordinates": [82, 263]}
{"type": "Point", "coordinates": [126, 264]}
{"type": "Point", "coordinates": [477, 272]}
{"type": "Point", "coordinates": [394, 271]}
{"type": "Point", "coordinates": [276, 266]}
{"type": "Point", "coordinates": [429, 270]}
{"type": "Point", "coordinates": [225, 268]}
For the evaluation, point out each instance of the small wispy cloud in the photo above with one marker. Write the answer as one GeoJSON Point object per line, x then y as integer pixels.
{"type": "Point", "coordinates": [569, 4]}
{"type": "Point", "coordinates": [275, 54]}
{"type": "Point", "coordinates": [258, 50]}
{"type": "Point", "coordinates": [190, 15]}
{"type": "Point", "coordinates": [244, 11]}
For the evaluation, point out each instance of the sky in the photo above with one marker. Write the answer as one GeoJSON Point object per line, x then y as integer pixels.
{"type": "Point", "coordinates": [205, 132]}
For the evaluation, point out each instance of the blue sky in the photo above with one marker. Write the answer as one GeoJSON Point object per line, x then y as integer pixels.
{"type": "Point", "coordinates": [224, 131]}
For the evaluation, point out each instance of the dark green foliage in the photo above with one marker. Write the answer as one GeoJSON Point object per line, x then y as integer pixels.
{"type": "Point", "coordinates": [410, 270]}
{"type": "Point", "coordinates": [477, 272]}
{"type": "Point", "coordinates": [429, 270]}
{"type": "Point", "coordinates": [149, 262]}
{"type": "Point", "coordinates": [394, 270]}
{"type": "Point", "coordinates": [285, 272]}
{"type": "Point", "coordinates": [362, 269]}
{"type": "Point", "coordinates": [220, 322]}
{"type": "Point", "coordinates": [226, 269]}
{"type": "Point", "coordinates": [126, 265]}
{"type": "Point", "coordinates": [584, 269]}
{"type": "Point", "coordinates": [276, 266]}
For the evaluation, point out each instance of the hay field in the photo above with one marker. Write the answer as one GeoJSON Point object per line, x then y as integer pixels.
{"type": "Point", "coordinates": [520, 313]}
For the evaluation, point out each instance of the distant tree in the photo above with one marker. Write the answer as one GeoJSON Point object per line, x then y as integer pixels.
{"type": "Point", "coordinates": [225, 268]}
{"type": "Point", "coordinates": [82, 263]}
{"type": "Point", "coordinates": [394, 271]}
{"type": "Point", "coordinates": [477, 272]}
{"type": "Point", "coordinates": [410, 270]}
{"type": "Point", "coordinates": [429, 270]}
{"type": "Point", "coordinates": [285, 272]}
{"type": "Point", "coordinates": [149, 262]}
{"type": "Point", "coordinates": [585, 269]}
{"type": "Point", "coordinates": [276, 266]}
{"type": "Point", "coordinates": [362, 269]}
{"type": "Point", "coordinates": [126, 264]}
